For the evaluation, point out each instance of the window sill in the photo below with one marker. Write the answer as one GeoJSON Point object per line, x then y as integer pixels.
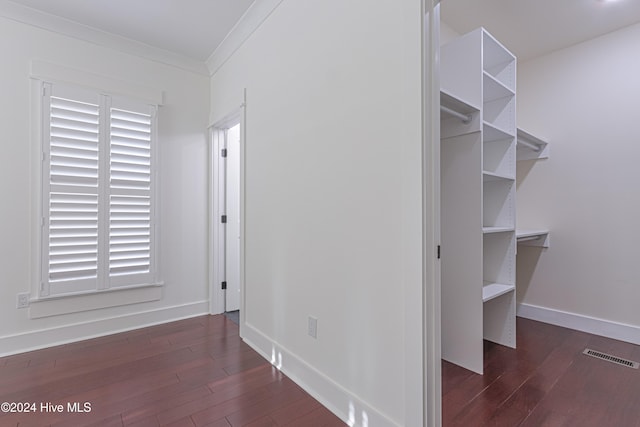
{"type": "Point", "coordinates": [55, 306]}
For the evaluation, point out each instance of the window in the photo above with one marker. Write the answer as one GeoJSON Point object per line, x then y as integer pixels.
{"type": "Point", "coordinates": [98, 192]}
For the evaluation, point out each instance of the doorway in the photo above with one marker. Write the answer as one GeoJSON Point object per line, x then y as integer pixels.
{"type": "Point", "coordinates": [226, 218]}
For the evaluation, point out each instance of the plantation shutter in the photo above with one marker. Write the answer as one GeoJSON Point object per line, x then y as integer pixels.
{"type": "Point", "coordinates": [130, 194]}
{"type": "Point", "coordinates": [71, 181]}
{"type": "Point", "coordinates": [98, 227]}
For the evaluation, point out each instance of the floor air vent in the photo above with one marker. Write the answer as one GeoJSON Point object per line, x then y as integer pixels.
{"type": "Point", "coordinates": [610, 358]}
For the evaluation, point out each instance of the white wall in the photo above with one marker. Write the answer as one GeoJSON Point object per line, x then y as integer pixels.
{"type": "Point", "coordinates": [333, 199]}
{"type": "Point", "coordinates": [583, 99]}
{"type": "Point", "coordinates": [183, 175]}
{"type": "Point", "coordinates": [447, 33]}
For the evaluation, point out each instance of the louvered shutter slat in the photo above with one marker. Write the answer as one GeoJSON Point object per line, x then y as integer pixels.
{"type": "Point", "coordinates": [74, 130]}
{"type": "Point", "coordinates": [73, 236]}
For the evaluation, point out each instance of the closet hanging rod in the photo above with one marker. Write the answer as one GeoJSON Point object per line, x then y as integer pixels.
{"type": "Point", "coordinates": [466, 118]}
{"type": "Point", "coordinates": [528, 238]}
{"type": "Point", "coordinates": [534, 147]}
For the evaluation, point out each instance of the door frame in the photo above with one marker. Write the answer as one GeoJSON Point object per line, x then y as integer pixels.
{"type": "Point", "coordinates": [217, 175]}
{"type": "Point", "coordinates": [431, 237]}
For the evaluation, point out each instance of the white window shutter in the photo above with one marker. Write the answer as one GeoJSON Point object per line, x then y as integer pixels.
{"type": "Point", "coordinates": [130, 196]}
{"type": "Point", "coordinates": [71, 178]}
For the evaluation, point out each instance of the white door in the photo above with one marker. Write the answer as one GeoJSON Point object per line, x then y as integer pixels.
{"type": "Point", "coordinates": [232, 208]}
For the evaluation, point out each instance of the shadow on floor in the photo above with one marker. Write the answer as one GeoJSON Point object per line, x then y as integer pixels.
{"type": "Point", "coordinates": [234, 316]}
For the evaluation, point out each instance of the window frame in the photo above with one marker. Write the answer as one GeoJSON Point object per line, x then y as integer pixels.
{"type": "Point", "coordinates": [104, 282]}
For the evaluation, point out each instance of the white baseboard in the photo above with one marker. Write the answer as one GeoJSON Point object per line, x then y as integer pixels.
{"type": "Point", "coordinates": [35, 340]}
{"type": "Point", "coordinates": [348, 407]}
{"type": "Point", "coordinates": [579, 322]}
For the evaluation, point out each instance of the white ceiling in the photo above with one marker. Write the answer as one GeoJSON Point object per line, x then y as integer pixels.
{"type": "Point", "coordinates": [190, 28]}
{"type": "Point", "coordinates": [531, 28]}
{"type": "Point", "coordinates": [195, 28]}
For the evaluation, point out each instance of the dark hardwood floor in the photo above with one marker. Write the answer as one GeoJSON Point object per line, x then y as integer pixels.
{"type": "Point", "coordinates": [198, 372]}
{"type": "Point", "coordinates": [547, 382]}
{"type": "Point", "coordinates": [195, 372]}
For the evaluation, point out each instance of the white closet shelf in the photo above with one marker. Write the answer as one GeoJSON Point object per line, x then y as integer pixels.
{"type": "Point", "coordinates": [533, 238]}
{"type": "Point", "coordinates": [494, 89]}
{"type": "Point", "coordinates": [530, 147]}
{"type": "Point", "coordinates": [494, 290]}
{"type": "Point", "coordinates": [495, 133]}
{"type": "Point", "coordinates": [492, 176]}
{"type": "Point", "coordinates": [490, 230]}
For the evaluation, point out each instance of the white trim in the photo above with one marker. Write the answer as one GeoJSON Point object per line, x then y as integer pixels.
{"type": "Point", "coordinates": [65, 304]}
{"type": "Point", "coordinates": [217, 173]}
{"type": "Point", "coordinates": [36, 188]}
{"type": "Point", "coordinates": [579, 322]}
{"type": "Point", "coordinates": [347, 406]}
{"type": "Point", "coordinates": [216, 229]}
{"type": "Point", "coordinates": [55, 73]}
{"type": "Point", "coordinates": [243, 222]}
{"type": "Point", "coordinates": [431, 236]}
{"type": "Point", "coordinates": [249, 22]}
{"type": "Point", "coordinates": [26, 15]}
{"type": "Point", "coordinates": [44, 338]}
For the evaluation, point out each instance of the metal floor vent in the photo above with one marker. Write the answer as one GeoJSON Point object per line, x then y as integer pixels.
{"type": "Point", "coordinates": [610, 358]}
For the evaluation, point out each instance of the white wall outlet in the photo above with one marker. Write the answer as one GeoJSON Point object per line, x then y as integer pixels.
{"type": "Point", "coordinates": [23, 300]}
{"type": "Point", "coordinates": [313, 327]}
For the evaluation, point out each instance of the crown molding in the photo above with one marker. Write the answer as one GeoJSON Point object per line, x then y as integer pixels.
{"type": "Point", "coordinates": [56, 24]}
{"type": "Point", "coordinates": [257, 13]}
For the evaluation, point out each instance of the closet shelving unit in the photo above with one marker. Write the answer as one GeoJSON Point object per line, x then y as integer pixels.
{"type": "Point", "coordinates": [478, 159]}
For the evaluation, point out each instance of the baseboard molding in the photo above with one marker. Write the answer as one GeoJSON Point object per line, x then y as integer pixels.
{"type": "Point", "coordinates": [348, 407]}
{"type": "Point", "coordinates": [579, 322]}
{"type": "Point", "coordinates": [35, 340]}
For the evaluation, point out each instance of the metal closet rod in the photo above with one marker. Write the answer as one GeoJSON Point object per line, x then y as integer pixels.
{"type": "Point", "coordinates": [528, 238]}
{"type": "Point", "coordinates": [534, 147]}
{"type": "Point", "coordinates": [466, 118]}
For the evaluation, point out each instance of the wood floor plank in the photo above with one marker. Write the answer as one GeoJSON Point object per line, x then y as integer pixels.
{"type": "Point", "coordinates": [265, 421]}
{"type": "Point", "coordinates": [319, 417]}
{"type": "Point", "coordinates": [182, 422]}
{"type": "Point", "coordinates": [250, 413]}
{"type": "Point", "coordinates": [295, 410]}
{"type": "Point", "coordinates": [218, 423]}
{"type": "Point", "coordinates": [140, 410]}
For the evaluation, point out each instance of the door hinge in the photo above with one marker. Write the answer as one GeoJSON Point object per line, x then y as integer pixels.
{"type": "Point", "coordinates": [438, 251]}
{"type": "Point", "coordinates": [223, 152]}
{"type": "Point", "coordinates": [223, 219]}
{"type": "Point", "coordinates": [223, 285]}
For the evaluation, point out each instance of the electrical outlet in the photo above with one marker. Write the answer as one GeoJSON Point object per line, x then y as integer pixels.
{"type": "Point", "coordinates": [313, 327]}
{"type": "Point", "coordinates": [23, 300]}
